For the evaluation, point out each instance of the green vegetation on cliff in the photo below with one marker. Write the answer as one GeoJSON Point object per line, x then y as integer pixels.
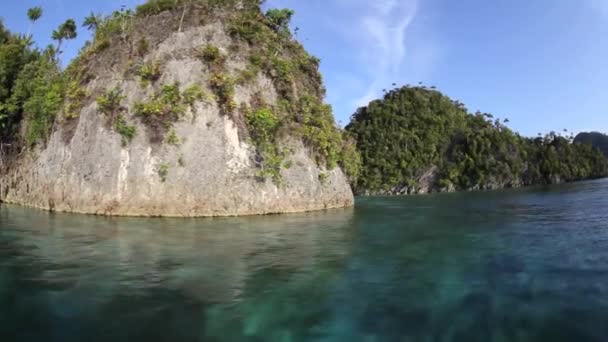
{"type": "Point", "coordinates": [31, 88]}
{"type": "Point", "coordinates": [417, 139]}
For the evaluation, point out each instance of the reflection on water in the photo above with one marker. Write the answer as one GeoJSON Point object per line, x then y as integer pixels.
{"type": "Point", "coordinates": [525, 265]}
{"type": "Point", "coordinates": [68, 274]}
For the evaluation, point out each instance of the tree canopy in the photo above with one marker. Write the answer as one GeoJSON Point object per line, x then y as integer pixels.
{"type": "Point", "coordinates": [595, 139]}
{"type": "Point", "coordinates": [30, 87]}
{"type": "Point", "coordinates": [34, 14]}
{"type": "Point", "coordinates": [414, 131]}
{"type": "Point", "coordinates": [65, 31]}
{"type": "Point", "coordinates": [92, 21]}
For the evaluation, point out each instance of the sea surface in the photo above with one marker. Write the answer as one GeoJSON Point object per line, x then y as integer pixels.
{"type": "Point", "coordinates": [516, 265]}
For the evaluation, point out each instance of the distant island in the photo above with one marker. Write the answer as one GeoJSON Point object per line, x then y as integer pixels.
{"type": "Point", "coordinates": [417, 140]}
{"type": "Point", "coordinates": [595, 139]}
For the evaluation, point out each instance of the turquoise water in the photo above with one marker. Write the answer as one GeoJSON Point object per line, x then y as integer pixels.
{"type": "Point", "coordinates": [522, 265]}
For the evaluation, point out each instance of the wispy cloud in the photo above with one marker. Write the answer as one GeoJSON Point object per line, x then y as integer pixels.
{"type": "Point", "coordinates": [366, 45]}
{"type": "Point", "coordinates": [380, 34]}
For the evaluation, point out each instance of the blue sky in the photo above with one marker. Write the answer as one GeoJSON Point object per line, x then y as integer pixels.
{"type": "Point", "coordinates": [541, 63]}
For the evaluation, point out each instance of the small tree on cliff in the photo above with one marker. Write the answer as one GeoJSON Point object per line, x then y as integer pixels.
{"type": "Point", "coordinates": [279, 20]}
{"type": "Point", "coordinates": [92, 21]}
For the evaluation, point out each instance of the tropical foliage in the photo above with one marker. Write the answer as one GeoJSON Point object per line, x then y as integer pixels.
{"type": "Point", "coordinates": [595, 139]}
{"type": "Point", "coordinates": [33, 14]}
{"type": "Point", "coordinates": [414, 132]}
{"type": "Point", "coordinates": [295, 75]}
{"type": "Point", "coordinates": [65, 31]}
{"type": "Point", "coordinates": [31, 87]}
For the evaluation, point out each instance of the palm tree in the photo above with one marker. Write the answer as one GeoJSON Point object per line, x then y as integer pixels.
{"type": "Point", "coordinates": [58, 35]}
{"type": "Point", "coordinates": [50, 52]}
{"type": "Point", "coordinates": [92, 21]}
{"type": "Point", "coordinates": [69, 27]}
{"type": "Point", "coordinates": [66, 30]}
{"type": "Point", "coordinates": [33, 14]}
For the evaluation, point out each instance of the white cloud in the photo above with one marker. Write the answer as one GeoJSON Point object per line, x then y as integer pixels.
{"type": "Point", "coordinates": [378, 42]}
{"type": "Point", "coordinates": [380, 36]}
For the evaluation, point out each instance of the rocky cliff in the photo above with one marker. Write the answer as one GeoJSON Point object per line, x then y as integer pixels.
{"type": "Point", "coordinates": [191, 110]}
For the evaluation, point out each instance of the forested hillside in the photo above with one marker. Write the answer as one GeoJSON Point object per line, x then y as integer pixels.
{"type": "Point", "coordinates": [417, 140]}
{"type": "Point", "coordinates": [595, 139]}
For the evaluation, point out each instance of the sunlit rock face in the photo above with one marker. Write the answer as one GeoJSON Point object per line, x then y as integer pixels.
{"type": "Point", "coordinates": [211, 171]}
